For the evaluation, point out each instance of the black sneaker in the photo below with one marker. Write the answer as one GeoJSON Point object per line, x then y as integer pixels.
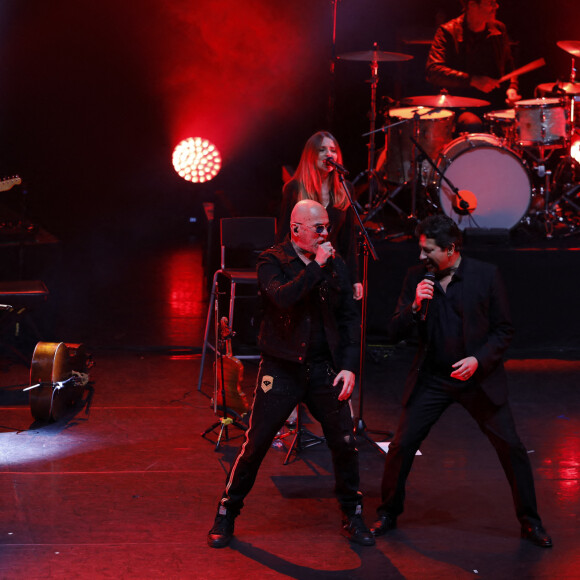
{"type": "Point", "coordinates": [223, 529]}
{"type": "Point", "coordinates": [356, 531]}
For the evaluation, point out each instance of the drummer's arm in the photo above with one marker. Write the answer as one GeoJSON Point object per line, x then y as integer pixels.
{"type": "Point", "coordinates": [512, 94]}
{"type": "Point", "coordinates": [438, 68]}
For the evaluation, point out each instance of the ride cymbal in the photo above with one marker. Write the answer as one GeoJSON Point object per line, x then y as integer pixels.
{"type": "Point", "coordinates": [375, 56]}
{"type": "Point", "coordinates": [445, 101]}
{"type": "Point", "coordinates": [558, 88]}
{"type": "Point", "coordinates": [570, 46]}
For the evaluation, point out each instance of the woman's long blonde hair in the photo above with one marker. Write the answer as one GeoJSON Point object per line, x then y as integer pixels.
{"type": "Point", "coordinates": [308, 176]}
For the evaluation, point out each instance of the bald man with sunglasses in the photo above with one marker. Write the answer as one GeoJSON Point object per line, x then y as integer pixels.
{"type": "Point", "coordinates": [310, 342]}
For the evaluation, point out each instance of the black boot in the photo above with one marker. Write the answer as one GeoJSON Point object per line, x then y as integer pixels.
{"type": "Point", "coordinates": [537, 535]}
{"type": "Point", "coordinates": [384, 523]}
{"type": "Point", "coordinates": [223, 529]}
{"type": "Point", "coordinates": [355, 529]}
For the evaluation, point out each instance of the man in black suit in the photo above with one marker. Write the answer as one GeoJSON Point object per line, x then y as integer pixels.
{"type": "Point", "coordinates": [459, 307]}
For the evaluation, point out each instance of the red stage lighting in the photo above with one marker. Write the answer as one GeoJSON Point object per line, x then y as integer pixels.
{"type": "Point", "coordinates": [196, 159]}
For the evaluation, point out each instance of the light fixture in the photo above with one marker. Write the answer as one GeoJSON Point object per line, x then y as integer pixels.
{"type": "Point", "coordinates": [196, 159]}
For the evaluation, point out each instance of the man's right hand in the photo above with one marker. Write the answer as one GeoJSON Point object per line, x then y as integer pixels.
{"type": "Point", "coordinates": [484, 84]}
{"type": "Point", "coordinates": [424, 292]}
{"type": "Point", "coordinates": [323, 253]}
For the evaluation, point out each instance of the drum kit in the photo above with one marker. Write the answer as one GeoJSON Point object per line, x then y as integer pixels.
{"type": "Point", "coordinates": [525, 171]}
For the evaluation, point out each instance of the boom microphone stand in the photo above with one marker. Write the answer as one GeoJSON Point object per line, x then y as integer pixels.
{"type": "Point", "coordinates": [360, 429]}
{"type": "Point", "coordinates": [463, 206]}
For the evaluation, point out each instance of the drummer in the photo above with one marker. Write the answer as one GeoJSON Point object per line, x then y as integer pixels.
{"type": "Point", "coordinates": [468, 56]}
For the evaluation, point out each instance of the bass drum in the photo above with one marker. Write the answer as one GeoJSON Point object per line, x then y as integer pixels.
{"type": "Point", "coordinates": [481, 164]}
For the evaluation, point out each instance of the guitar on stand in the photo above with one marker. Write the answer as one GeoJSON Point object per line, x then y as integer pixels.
{"type": "Point", "coordinates": [229, 398]}
{"type": "Point", "coordinates": [58, 377]}
{"type": "Point", "coordinates": [230, 374]}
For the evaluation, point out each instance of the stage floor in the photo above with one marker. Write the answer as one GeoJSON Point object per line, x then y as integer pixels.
{"type": "Point", "coordinates": [125, 487]}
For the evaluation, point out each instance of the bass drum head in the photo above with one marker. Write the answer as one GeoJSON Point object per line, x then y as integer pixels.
{"type": "Point", "coordinates": [494, 174]}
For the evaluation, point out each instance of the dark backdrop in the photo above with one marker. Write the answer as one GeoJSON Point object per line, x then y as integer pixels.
{"type": "Point", "coordinates": [94, 95]}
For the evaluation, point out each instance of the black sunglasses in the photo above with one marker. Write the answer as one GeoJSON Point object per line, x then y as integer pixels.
{"type": "Point", "coordinates": [318, 228]}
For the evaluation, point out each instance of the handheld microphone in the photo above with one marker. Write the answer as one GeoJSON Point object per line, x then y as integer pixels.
{"type": "Point", "coordinates": [425, 303]}
{"type": "Point", "coordinates": [332, 163]}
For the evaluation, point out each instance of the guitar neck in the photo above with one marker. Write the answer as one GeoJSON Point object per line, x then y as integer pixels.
{"type": "Point", "coordinates": [9, 183]}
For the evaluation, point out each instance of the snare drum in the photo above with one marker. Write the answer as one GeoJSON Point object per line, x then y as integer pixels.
{"type": "Point", "coordinates": [541, 122]}
{"type": "Point", "coordinates": [502, 124]}
{"type": "Point", "coordinates": [435, 130]}
{"type": "Point", "coordinates": [481, 164]}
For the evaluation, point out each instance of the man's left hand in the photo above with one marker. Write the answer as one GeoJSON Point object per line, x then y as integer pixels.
{"type": "Point", "coordinates": [512, 97]}
{"type": "Point", "coordinates": [348, 380]}
{"type": "Point", "coordinates": [465, 368]}
{"type": "Point", "coordinates": [357, 291]}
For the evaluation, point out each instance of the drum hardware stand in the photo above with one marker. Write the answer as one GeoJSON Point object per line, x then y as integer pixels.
{"type": "Point", "coordinates": [386, 197]}
{"type": "Point", "coordinates": [360, 429]}
{"type": "Point", "coordinates": [549, 213]}
{"type": "Point", "coordinates": [225, 421]}
{"type": "Point", "coordinates": [302, 437]}
{"type": "Point", "coordinates": [370, 173]}
{"type": "Point", "coordinates": [462, 203]}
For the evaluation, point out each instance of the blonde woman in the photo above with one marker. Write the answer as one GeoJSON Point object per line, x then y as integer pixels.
{"type": "Point", "coordinates": [315, 179]}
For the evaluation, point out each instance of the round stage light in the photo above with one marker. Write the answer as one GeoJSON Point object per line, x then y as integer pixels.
{"type": "Point", "coordinates": [196, 159]}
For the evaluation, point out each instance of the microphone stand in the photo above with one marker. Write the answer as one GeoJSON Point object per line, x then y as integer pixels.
{"type": "Point", "coordinates": [463, 204]}
{"type": "Point", "coordinates": [360, 429]}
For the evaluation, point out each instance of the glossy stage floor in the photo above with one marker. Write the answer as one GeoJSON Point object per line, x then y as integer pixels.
{"type": "Point", "coordinates": [125, 486]}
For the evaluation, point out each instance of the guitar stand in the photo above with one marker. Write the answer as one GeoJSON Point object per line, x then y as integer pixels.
{"type": "Point", "coordinates": [302, 437]}
{"type": "Point", "coordinates": [225, 421]}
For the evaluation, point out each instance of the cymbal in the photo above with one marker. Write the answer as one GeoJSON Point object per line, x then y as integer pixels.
{"type": "Point", "coordinates": [558, 87]}
{"type": "Point", "coordinates": [571, 46]}
{"type": "Point", "coordinates": [425, 41]}
{"type": "Point", "coordinates": [375, 56]}
{"type": "Point", "coordinates": [445, 101]}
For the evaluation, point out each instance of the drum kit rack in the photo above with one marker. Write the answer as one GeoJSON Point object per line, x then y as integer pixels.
{"type": "Point", "coordinates": [524, 172]}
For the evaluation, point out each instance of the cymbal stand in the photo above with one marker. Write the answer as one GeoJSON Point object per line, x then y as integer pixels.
{"type": "Point", "coordinates": [387, 197]}
{"type": "Point", "coordinates": [332, 89]}
{"type": "Point", "coordinates": [225, 421]}
{"type": "Point", "coordinates": [370, 173]}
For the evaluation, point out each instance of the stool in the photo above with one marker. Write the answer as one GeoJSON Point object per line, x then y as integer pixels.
{"type": "Point", "coordinates": [248, 236]}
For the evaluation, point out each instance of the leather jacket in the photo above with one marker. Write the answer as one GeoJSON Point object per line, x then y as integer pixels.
{"type": "Point", "coordinates": [289, 290]}
{"type": "Point", "coordinates": [449, 66]}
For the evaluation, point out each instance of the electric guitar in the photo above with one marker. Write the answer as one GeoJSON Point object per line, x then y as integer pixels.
{"type": "Point", "coordinates": [9, 182]}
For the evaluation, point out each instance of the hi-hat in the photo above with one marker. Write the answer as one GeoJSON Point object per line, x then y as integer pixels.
{"type": "Point", "coordinates": [375, 56]}
{"type": "Point", "coordinates": [445, 101]}
{"type": "Point", "coordinates": [571, 46]}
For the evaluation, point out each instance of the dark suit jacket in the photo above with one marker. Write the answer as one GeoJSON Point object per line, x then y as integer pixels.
{"type": "Point", "coordinates": [487, 327]}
